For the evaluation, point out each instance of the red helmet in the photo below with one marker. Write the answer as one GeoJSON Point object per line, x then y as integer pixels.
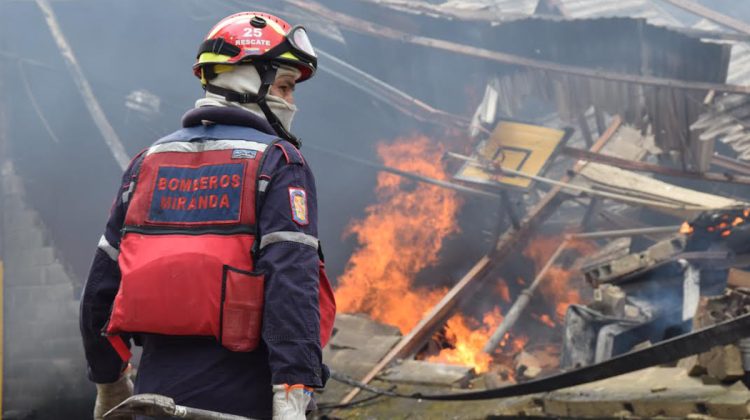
{"type": "Point", "coordinates": [250, 37]}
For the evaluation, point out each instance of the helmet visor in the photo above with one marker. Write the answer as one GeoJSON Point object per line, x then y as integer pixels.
{"type": "Point", "coordinates": [301, 42]}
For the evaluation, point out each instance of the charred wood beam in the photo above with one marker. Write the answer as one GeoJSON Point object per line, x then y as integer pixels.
{"type": "Point", "coordinates": [656, 169]}
{"type": "Point", "coordinates": [440, 313]}
{"type": "Point", "coordinates": [712, 15]}
{"type": "Point", "coordinates": [366, 27]}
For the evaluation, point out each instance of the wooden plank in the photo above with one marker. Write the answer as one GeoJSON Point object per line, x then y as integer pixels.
{"type": "Point", "coordinates": [358, 344]}
{"type": "Point", "coordinates": [427, 373]}
{"type": "Point", "coordinates": [738, 278]}
{"type": "Point", "coordinates": [366, 27]}
{"type": "Point", "coordinates": [711, 15]}
{"type": "Point", "coordinates": [439, 314]}
{"type": "Point", "coordinates": [626, 182]}
{"type": "Point", "coordinates": [656, 169]}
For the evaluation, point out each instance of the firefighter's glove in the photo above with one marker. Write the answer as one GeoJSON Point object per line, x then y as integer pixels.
{"type": "Point", "coordinates": [110, 395]}
{"type": "Point", "coordinates": [290, 401]}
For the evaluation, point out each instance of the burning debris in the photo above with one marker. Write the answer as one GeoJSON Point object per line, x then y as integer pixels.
{"type": "Point", "coordinates": [399, 236]}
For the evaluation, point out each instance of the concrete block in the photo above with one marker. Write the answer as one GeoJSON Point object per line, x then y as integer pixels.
{"type": "Point", "coordinates": [732, 405]}
{"type": "Point", "coordinates": [667, 407]}
{"type": "Point", "coordinates": [420, 372]}
{"type": "Point", "coordinates": [28, 254]}
{"type": "Point", "coordinates": [649, 393]}
{"type": "Point", "coordinates": [48, 274]}
{"type": "Point", "coordinates": [14, 205]}
{"type": "Point", "coordinates": [582, 407]}
{"type": "Point", "coordinates": [723, 363]}
{"type": "Point", "coordinates": [15, 237]}
{"type": "Point", "coordinates": [40, 256]}
{"type": "Point", "coordinates": [19, 275]}
{"type": "Point", "coordinates": [691, 366]}
{"type": "Point", "coordinates": [34, 295]}
{"type": "Point", "coordinates": [55, 273]}
{"type": "Point", "coordinates": [17, 216]}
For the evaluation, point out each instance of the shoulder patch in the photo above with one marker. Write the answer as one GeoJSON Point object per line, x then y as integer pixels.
{"type": "Point", "coordinates": [298, 204]}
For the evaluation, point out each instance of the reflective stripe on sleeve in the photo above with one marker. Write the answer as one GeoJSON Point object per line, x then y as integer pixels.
{"type": "Point", "coordinates": [285, 236]}
{"type": "Point", "coordinates": [108, 248]}
{"type": "Point", "coordinates": [126, 194]}
{"type": "Point", "coordinates": [194, 147]}
{"type": "Point", "coordinates": [262, 185]}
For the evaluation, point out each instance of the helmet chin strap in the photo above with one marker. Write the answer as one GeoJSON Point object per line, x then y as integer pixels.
{"type": "Point", "coordinates": [267, 72]}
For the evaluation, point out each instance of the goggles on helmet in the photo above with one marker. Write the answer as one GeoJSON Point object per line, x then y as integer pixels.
{"type": "Point", "coordinates": [296, 43]}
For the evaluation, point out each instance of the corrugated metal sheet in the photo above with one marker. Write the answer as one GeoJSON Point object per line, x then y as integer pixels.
{"type": "Point", "coordinates": [646, 9]}
{"type": "Point", "coordinates": [739, 64]}
{"type": "Point", "coordinates": [727, 119]}
{"type": "Point", "coordinates": [504, 9]}
{"type": "Point", "coordinates": [465, 9]}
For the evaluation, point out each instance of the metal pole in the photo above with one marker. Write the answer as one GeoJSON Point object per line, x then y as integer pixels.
{"type": "Point", "coordinates": [522, 302]}
{"type": "Point", "coordinates": [626, 232]}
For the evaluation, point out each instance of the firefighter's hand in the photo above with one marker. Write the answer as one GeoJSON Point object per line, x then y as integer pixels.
{"type": "Point", "coordinates": [290, 401]}
{"type": "Point", "coordinates": [110, 395]}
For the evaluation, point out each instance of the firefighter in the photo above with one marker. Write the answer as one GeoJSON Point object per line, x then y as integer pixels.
{"type": "Point", "coordinates": [210, 259]}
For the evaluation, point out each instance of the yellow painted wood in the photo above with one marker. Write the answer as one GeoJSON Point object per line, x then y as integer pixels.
{"type": "Point", "coordinates": [521, 147]}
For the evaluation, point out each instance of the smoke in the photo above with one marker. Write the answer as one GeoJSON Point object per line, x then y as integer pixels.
{"type": "Point", "coordinates": [70, 176]}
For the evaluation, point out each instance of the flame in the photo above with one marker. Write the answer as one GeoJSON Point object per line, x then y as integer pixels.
{"type": "Point", "coordinates": [556, 285]}
{"type": "Point", "coordinates": [399, 236]}
{"type": "Point", "coordinates": [503, 291]}
{"type": "Point", "coordinates": [686, 229]}
{"type": "Point", "coordinates": [467, 339]}
{"type": "Point", "coordinates": [546, 320]}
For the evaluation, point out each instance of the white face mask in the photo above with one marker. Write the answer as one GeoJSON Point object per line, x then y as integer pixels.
{"type": "Point", "coordinates": [245, 79]}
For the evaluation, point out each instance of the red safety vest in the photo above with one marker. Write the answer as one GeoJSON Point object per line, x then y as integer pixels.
{"type": "Point", "coordinates": [185, 256]}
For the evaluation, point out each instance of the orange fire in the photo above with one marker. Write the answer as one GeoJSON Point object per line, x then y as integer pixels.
{"type": "Point", "coordinates": [546, 320]}
{"type": "Point", "coordinates": [403, 233]}
{"type": "Point", "coordinates": [468, 337]}
{"type": "Point", "coordinates": [556, 285]}
{"type": "Point", "coordinates": [503, 291]}
{"type": "Point", "coordinates": [686, 229]}
{"type": "Point", "coordinates": [400, 235]}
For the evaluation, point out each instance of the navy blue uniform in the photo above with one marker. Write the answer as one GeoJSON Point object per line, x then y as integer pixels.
{"type": "Point", "coordinates": [199, 372]}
